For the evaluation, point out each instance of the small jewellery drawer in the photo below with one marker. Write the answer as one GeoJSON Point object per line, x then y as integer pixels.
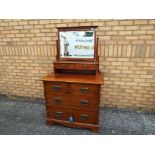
{"type": "Point", "coordinates": [88, 89]}
{"type": "Point", "coordinates": [58, 113]}
{"type": "Point", "coordinates": [57, 99]}
{"type": "Point", "coordinates": [85, 116]}
{"type": "Point", "coordinates": [86, 66]}
{"type": "Point", "coordinates": [55, 87]}
{"type": "Point", "coordinates": [84, 101]}
{"type": "Point", "coordinates": [64, 66]}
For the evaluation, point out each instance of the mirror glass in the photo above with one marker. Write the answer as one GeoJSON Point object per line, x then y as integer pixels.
{"type": "Point", "coordinates": [76, 44]}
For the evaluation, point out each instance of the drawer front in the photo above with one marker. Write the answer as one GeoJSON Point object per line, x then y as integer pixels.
{"type": "Point", "coordinates": [64, 66]}
{"type": "Point", "coordinates": [57, 113]}
{"type": "Point", "coordinates": [55, 87]}
{"type": "Point", "coordinates": [85, 116]}
{"type": "Point", "coordinates": [84, 101]}
{"type": "Point", "coordinates": [57, 99]}
{"type": "Point", "coordinates": [85, 89]}
{"type": "Point", "coordinates": [86, 66]}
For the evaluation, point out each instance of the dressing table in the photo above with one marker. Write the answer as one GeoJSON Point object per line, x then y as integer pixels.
{"type": "Point", "coordinates": [72, 92]}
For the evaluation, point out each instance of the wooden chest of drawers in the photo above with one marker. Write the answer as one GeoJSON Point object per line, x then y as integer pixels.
{"type": "Point", "coordinates": [75, 96]}
{"type": "Point", "coordinates": [72, 92]}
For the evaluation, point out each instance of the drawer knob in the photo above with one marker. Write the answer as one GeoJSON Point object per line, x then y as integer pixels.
{"type": "Point", "coordinates": [56, 87]}
{"type": "Point", "coordinates": [84, 90]}
{"type": "Point", "coordinates": [57, 100]}
{"type": "Point", "coordinates": [58, 114]}
{"type": "Point", "coordinates": [84, 117]}
{"type": "Point", "coordinates": [84, 102]}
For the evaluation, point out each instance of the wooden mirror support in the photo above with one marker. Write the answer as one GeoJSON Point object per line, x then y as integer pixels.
{"type": "Point", "coordinates": [72, 92]}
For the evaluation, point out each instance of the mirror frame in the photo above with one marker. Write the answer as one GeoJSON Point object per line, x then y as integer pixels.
{"type": "Point", "coordinates": [81, 28]}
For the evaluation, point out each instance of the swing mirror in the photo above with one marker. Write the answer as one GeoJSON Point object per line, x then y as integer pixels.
{"type": "Point", "coordinates": [76, 43]}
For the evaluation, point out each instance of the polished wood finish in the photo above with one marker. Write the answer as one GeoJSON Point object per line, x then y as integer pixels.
{"type": "Point", "coordinates": [85, 116]}
{"type": "Point", "coordinates": [85, 89]}
{"type": "Point", "coordinates": [84, 101]}
{"type": "Point", "coordinates": [55, 87]}
{"type": "Point", "coordinates": [74, 78]}
{"type": "Point", "coordinates": [92, 127]}
{"type": "Point", "coordinates": [59, 113]}
{"type": "Point", "coordinates": [78, 66]}
{"type": "Point", "coordinates": [73, 90]}
{"type": "Point", "coordinates": [75, 95]}
{"type": "Point", "coordinates": [57, 99]}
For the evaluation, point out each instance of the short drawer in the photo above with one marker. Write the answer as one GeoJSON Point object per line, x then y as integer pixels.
{"type": "Point", "coordinates": [87, 89]}
{"type": "Point", "coordinates": [57, 99]}
{"type": "Point", "coordinates": [57, 113]}
{"type": "Point", "coordinates": [87, 66]}
{"type": "Point", "coordinates": [64, 66]}
{"type": "Point", "coordinates": [55, 87]}
{"type": "Point", "coordinates": [84, 101]}
{"type": "Point", "coordinates": [85, 116]}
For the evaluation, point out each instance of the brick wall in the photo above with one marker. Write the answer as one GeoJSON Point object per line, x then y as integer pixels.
{"type": "Point", "coordinates": [126, 50]}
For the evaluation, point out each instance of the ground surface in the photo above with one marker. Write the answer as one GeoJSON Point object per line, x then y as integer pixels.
{"type": "Point", "coordinates": [27, 117]}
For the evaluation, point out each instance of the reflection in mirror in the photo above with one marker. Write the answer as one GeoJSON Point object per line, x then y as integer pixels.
{"type": "Point", "coordinates": [76, 44]}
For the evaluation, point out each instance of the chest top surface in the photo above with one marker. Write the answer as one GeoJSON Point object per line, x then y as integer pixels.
{"type": "Point", "coordinates": [74, 78]}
